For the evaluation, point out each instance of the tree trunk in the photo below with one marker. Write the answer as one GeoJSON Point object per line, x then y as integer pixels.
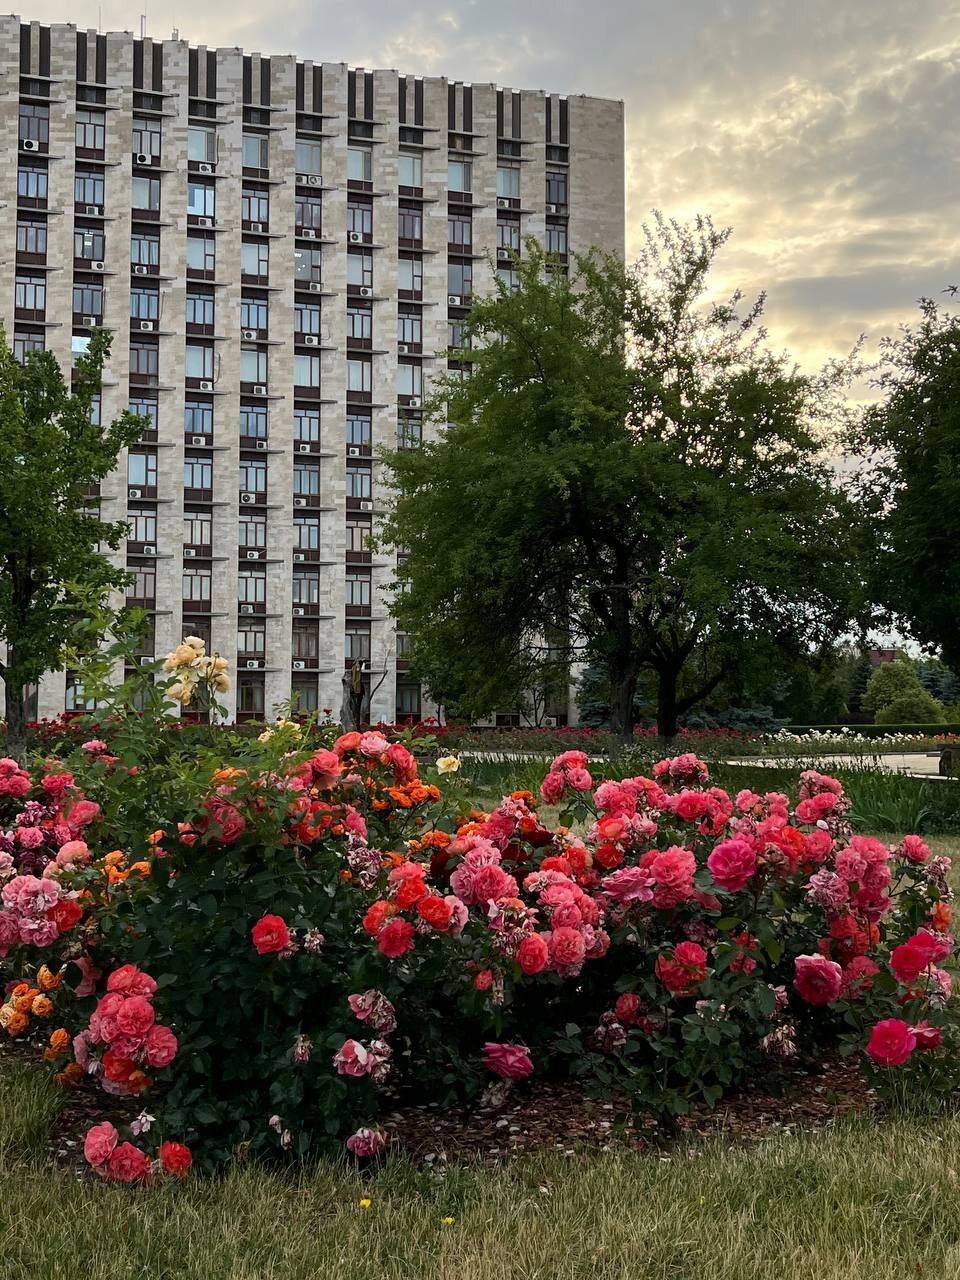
{"type": "Point", "coordinates": [667, 705]}
{"type": "Point", "coordinates": [16, 722]}
{"type": "Point", "coordinates": [622, 690]}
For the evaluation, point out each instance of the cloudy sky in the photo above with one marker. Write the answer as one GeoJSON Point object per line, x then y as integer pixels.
{"type": "Point", "coordinates": [827, 132]}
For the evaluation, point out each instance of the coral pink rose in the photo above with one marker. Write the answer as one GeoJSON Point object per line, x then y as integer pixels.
{"type": "Point", "coordinates": [82, 813]}
{"type": "Point", "coordinates": [490, 883]}
{"type": "Point", "coordinates": [160, 1046]}
{"type": "Point", "coordinates": [402, 762]}
{"type": "Point", "coordinates": [533, 954]}
{"type": "Point", "coordinates": [395, 938]}
{"type": "Point", "coordinates": [928, 1037]}
{"type": "Point", "coordinates": [628, 1008]}
{"type": "Point", "coordinates": [891, 1042]}
{"type": "Point", "coordinates": [352, 1059]}
{"type": "Point", "coordinates": [817, 980]}
{"type": "Point", "coordinates": [551, 788]}
{"type": "Point", "coordinates": [731, 864]}
{"type": "Point", "coordinates": [684, 969]}
{"type": "Point", "coordinates": [326, 769]}
{"type": "Point", "coordinates": [270, 934]}
{"type": "Point", "coordinates": [128, 980]}
{"type": "Point", "coordinates": [367, 1142]}
{"type": "Point", "coordinates": [128, 1163]}
{"type": "Point", "coordinates": [346, 743]}
{"type": "Point", "coordinates": [567, 948]}
{"type": "Point", "coordinates": [914, 848]}
{"type": "Point", "coordinates": [373, 744]}
{"type": "Point", "coordinates": [99, 1144]}
{"type": "Point", "coordinates": [509, 1061]}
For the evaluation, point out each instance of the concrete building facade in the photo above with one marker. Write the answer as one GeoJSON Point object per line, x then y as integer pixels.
{"type": "Point", "coordinates": [284, 251]}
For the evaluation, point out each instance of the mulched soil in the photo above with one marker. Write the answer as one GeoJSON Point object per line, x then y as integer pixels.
{"type": "Point", "coordinates": [520, 1119]}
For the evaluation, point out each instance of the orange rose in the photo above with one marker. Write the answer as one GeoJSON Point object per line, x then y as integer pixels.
{"type": "Point", "coordinates": [71, 1075]}
{"type": "Point", "coordinates": [60, 1040]}
{"type": "Point", "coordinates": [142, 868]}
{"type": "Point", "coordinates": [113, 859]}
{"type": "Point", "coordinates": [42, 1007]}
{"type": "Point", "coordinates": [18, 1022]}
{"type": "Point", "coordinates": [47, 980]}
{"type": "Point", "coordinates": [22, 1004]}
{"type": "Point", "coordinates": [20, 989]}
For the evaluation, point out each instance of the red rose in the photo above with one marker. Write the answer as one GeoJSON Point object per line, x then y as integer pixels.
{"type": "Point", "coordinates": [270, 934]}
{"type": "Point", "coordinates": [817, 980]}
{"type": "Point", "coordinates": [628, 1008]}
{"type": "Point", "coordinates": [99, 1143]}
{"type": "Point", "coordinates": [436, 913]}
{"type": "Point", "coordinates": [908, 961]}
{"type": "Point", "coordinates": [65, 914]}
{"type": "Point", "coordinates": [533, 954]}
{"type": "Point", "coordinates": [116, 1068]}
{"type": "Point", "coordinates": [508, 1061]}
{"type": "Point", "coordinates": [175, 1158]}
{"type": "Point", "coordinates": [377, 916]}
{"type": "Point", "coordinates": [395, 938]}
{"type": "Point", "coordinates": [685, 969]}
{"type": "Point", "coordinates": [928, 1037]}
{"type": "Point", "coordinates": [128, 1163]}
{"type": "Point", "coordinates": [411, 891]}
{"type": "Point", "coordinates": [891, 1042]}
{"type": "Point", "coordinates": [135, 1017]}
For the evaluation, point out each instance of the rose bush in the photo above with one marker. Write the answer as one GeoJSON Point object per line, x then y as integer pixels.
{"type": "Point", "coordinates": [293, 941]}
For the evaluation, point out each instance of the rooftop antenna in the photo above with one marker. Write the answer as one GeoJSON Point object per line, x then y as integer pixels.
{"type": "Point", "coordinates": [143, 26]}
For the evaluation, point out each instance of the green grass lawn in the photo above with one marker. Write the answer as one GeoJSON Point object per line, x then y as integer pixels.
{"type": "Point", "coordinates": [860, 1200]}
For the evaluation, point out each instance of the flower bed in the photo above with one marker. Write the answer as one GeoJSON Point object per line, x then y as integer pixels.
{"type": "Point", "coordinates": [279, 948]}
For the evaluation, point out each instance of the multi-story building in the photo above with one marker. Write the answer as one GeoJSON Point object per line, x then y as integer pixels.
{"type": "Point", "coordinates": [285, 251]}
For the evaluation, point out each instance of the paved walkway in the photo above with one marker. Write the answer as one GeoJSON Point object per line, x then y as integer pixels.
{"type": "Point", "coordinates": [916, 764]}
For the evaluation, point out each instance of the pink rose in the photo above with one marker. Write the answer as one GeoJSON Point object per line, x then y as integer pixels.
{"type": "Point", "coordinates": [373, 744]}
{"type": "Point", "coordinates": [326, 769]}
{"type": "Point", "coordinates": [567, 948]}
{"type": "Point", "coordinates": [352, 1059]}
{"type": "Point", "coordinates": [82, 813]}
{"type": "Point", "coordinates": [509, 1061]}
{"type": "Point", "coordinates": [128, 980]}
{"type": "Point", "coordinates": [100, 1143]}
{"type": "Point", "coordinates": [817, 980]}
{"type": "Point", "coordinates": [71, 852]}
{"type": "Point", "coordinates": [128, 1163]}
{"type": "Point", "coordinates": [579, 779]}
{"type": "Point", "coordinates": [891, 1042]}
{"type": "Point", "coordinates": [551, 788]}
{"type": "Point", "coordinates": [160, 1046]}
{"type": "Point", "coordinates": [135, 1017]}
{"type": "Point", "coordinates": [731, 864]}
{"type": "Point", "coordinates": [367, 1142]}
{"type": "Point", "coordinates": [29, 837]}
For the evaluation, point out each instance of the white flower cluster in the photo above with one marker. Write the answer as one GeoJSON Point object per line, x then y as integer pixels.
{"type": "Point", "coordinates": [193, 666]}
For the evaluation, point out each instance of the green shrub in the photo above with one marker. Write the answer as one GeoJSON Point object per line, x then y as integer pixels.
{"type": "Point", "coordinates": [915, 705]}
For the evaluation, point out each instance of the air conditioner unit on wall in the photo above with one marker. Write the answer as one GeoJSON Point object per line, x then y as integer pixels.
{"type": "Point", "coordinates": [366, 506]}
{"type": "Point", "coordinates": [149, 549]}
{"type": "Point", "coordinates": [139, 270]}
{"type": "Point", "coordinates": [189, 552]}
{"type": "Point", "coordinates": [299, 613]}
{"type": "Point", "coordinates": [249, 335]}
{"type": "Point", "coordinates": [261, 444]}
{"type": "Point", "coordinates": [93, 210]}
{"type": "Point", "coordinates": [198, 440]}
{"type": "Point", "coordinates": [299, 502]}
{"type": "Point", "coordinates": [134, 493]}
{"type": "Point", "coordinates": [256, 228]}
{"type": "Point", "coordinates": [146, 326]}
{"type": "Point", "coordinates": [308, 233]}
{"type": "Point", "coordinates": [298, 557]}
{"type": "Point", "coordinates": [414, 402]}
{"type": "Point", "coordinates": [253, 555]}
{"type": "Point", "coordinates": [259, 389]}
{"type": "Point", "coordinates": [366, 291]}
{"type": "Point", "coordinates": [204, 168]}
{"type": "Point", "coordinates": [247, 498]}
{"type": "Point", "coordinates": [299, 666]}
{"type": "Point", "coordinates": [253, 664]}
{"type": "Point", "coordinates": [97, 266]}
{"type": "Point", "coordinates": [503, 204]}
{"type": "Point", "coordinates": [403, 349]}
{"type": "Point", "coordinates": [315, 286]}
{"type": "Point", "coordinates": [206, 386]}
{"type": "Point", "coordinates": [142, 158]}
{"type": "Point", "coordinates": [29, 144]}
{"type": "Point", "coordinates": [303, 448]}
{"type": "Point", "coordinates": [311, 340]}
{"type": "Point", "coordinates": [204, 222]}
{"type": "Point", "coordinates": [454, 299]}
{"type": "Point", "coordinates": [246, 608]}
{"type": "Point", "coordinates": [353, 453]}
{"type": "Point", "coordinates": [314, 180]}
{"type": "Point", "coordinates": [355, 237]}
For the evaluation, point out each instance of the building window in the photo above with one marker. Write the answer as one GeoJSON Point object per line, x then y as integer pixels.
{"type": "Point", "coordinates": [198, 362]}
{"type": "Point", "coordinates": [201, 199]}
{"type": "Point", "coordinates": [196, 584]}
{"type": "Point", "coordinates": [250, 698]}
{"type": "Point", "coordinates": [145, 194]}
{"type": "Point", "coordinates": [142, 469]}
{"type": "Point", "coordinates": [556, 237]}
{"type": "Point", "coordinates": [308, 158]}
{"type": "Point", "coordinates": [359, 164]}
{"type": "Point", "coordinates": [306, 265]}
{"type": "Point", "coordinates": [305, 697]}
{"type": "Point", "coordinates": [253, 365]}
{"type": "Point", "coordinates": [306, 586]}
{"type": "Point", "coordinates": [199, 308]}
{"type": "Point", "coordinates": [253, 421]}
{"type": "Point", "coordinates": [144, 249]}
{"type": "Point", "coordinates": [146, 136]}
{"type": "Point", "coordinates": [409, 380]}
{"type": "Point", "coordinates": [359, 430]}
{"type": "Point", "coordinates": [144, 584]}
{"type": "Point", "coordinates": [557, 187]}
{"type": "Point", "coordinates": [255, 206]}
{"type": "Point", "coordinates": [358, 482]}
{"type": "Point", "coordinates": [358, 535]}
{"type": "Point", "coordinates": [360, 269]}
{"type": "Point", "coordinates": [251, 640]}
{"type": "Point", "coordinates": [306, 371]}
{"type": "Point", "coordinates": [24, 344]}
{"type": "Point", "coordinates": [508, 278]}
{"type": "Point", "coordinates": [359, 375]}
{"type": "Point", "coordinates": [144, 360]}
{"type": "Point", "coordinates": [32, 236]}
{"type": "Point", "coordinates": [356, 647]}
{"type": "Point", "coordinates": [409, 326]}
{"type": "Point", "coordinates": [410, 169]}
{"type": "Point", "coordinates": [460, 176]}
{"type": "Point", "coordinates": [460, 278]}
{"type": "Point", "coordinates": [201, 253]}
{"type": "Point", "coordinates": [306, 426]}
{"type": "Point", "coordinates": [89, 130]}
{"type": "Point", "coordinates": [403, 645]}
{"type": "Point", "coordinates": [142, 527]}
{"type": "Point", "coordinates": [308, 213]}
{"type": "Point", "coordinates": [508, 182]}
{"type": "Point", "coordinates": [34, 123]}
{"type": "Point", "coordinates": [31, 293]}
{"type": "Point", "coordinates": [410, 224]}
{"type": "Point", "coordinates": [307, 318]}
{"type": "Point", "coordinates": [256, 151]}
{"type": "Point", "coordinates": [409, 433]}
{"type": "Point", "coordinates": [508, 236]}
{"type": "Point", "coordinates": [307, 529]}
{"type": "Point", "coordinates": [360, 219]}
{"type": "Point", "coordinates": [88, 300]}
{"type": "Point", "coordinates": [457, 336]}
{"type": "Point", "coordinates": [201, 144]}
{"type": "Point", "coordinates": [306, 479]}
{"type": "Point", "coordinates": [253, 531]}
{"type": "Point", "coordinates": [359, 323]}
{"type": "Point", "coordinates": [88, 188]}
{"type": "Point", "coordinates": [357, 590]}
{"type": "Point", "coordinates": [408, 701]}
{"type": "Point", "coordinates": [31, 183]}
{"type": "Point", "coordinates": [253, 313]}
{"type": "Point", "coordinates": [144, 304]}
{"type": "Point", "coordinates": [144, 407]}
{"type": "Point", "coordinates": [306, 642]}
{"type": "Point", "coordinates": [460, 232]}
{"type": "Point", "coordinates": [254, 259]}
{"type": "Point", "coordinates": [251, 586]}
{"type": "Point", "coordinates": [197, 473]}
{"type": "Point", "coordinates": [410, 275]}
{"type": "Point", "coordinates": [197, 418]}
{"type": "Point", "coordinates": [253, 476]}
{"type": "Point", "coordinates": [197, 529]}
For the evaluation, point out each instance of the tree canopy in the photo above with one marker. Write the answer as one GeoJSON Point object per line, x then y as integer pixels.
{"type": "Point", "coordinates": [52, 452]}
{"type": "Point", "coordinates": [629, 471]}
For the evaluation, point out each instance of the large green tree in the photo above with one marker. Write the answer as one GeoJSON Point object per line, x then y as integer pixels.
{"type": "Point", "coordinates": [52, 453]}
{"type": "Point", "coordinates": [913, 435]}
{"type": "Point", "coordinates": [628, 465]}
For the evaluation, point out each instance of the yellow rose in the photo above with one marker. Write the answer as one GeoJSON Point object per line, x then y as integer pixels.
{"type": "Point", "coordinates": [184, 654]}
{"type": "Point", "coordinates": [265, 736]}
{"type": "Point", "coordinates": [195, 643]}
{"type": "Point", "coordinates": [221, 683]}
{"type": "Point", "coordinates": [448, 764]}
{"type": "Point", "coordinates": [218, 664]}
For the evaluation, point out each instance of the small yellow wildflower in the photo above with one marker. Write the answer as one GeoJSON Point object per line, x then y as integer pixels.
{"type": "Point", "coordinates": [365, 1203]}
{"type": "Point", "coordinates": [448, 1222]}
